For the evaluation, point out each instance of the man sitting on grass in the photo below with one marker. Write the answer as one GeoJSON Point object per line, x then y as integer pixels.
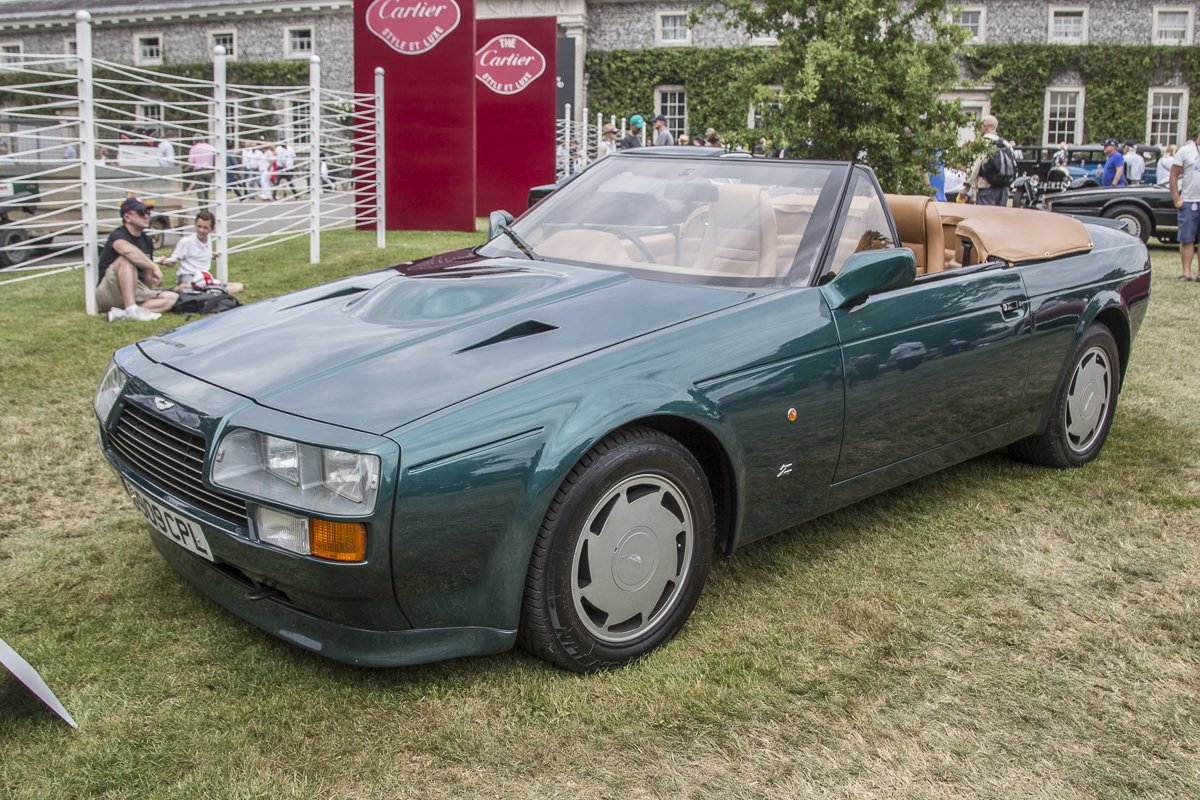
{"type": "Point", "coordinates": [194, 255]}
{"type": "Point", "coordinates": [127, 270]}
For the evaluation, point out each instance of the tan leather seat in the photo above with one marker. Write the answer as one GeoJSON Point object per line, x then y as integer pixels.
{"type": "Point", "coordinates": [586, 245]}
{"type": "Point", "coordinates": [920, 227]}
{"type": "Point", "coordinates": [741, 237]}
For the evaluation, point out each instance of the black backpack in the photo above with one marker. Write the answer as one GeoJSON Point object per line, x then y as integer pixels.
{"type": "Point", "coordinates": [209, 301]}
{"type": "Point", "coordinates": [1001, 169]}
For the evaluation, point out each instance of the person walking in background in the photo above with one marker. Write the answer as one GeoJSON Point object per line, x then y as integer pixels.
{"type": "Point", "coordinates": [608, 140]}
{"type": "Point", "coordinates": [202, 159]}
{"type": "Point", "coordinates": [990, 190]}
{"type": "Point", "coordinates": [1163, 171]}
{"type": "Point", "coordinates": [285, 165]}
{"type": "Point", "coordinates": [233, 170]}
{"type": "Point", "coordinates": [166, 153]}
{"type": "Point", "coordinates": [1114, 167]}
{"type": "Point", "coordinates": [664, 138]}
{"type": "Point", "coordinates": [265, 159]}
{"type": "Point", "coordinates": [69, 153]}
{"type": "Point", "coordinates": [713, 138]}
{"type": "Point", "coordinates": [698, 141]}
{"type": "Point", "coordinates": [249, 169]}
{"type": "Point", "coordinates": [1135, 164]}
{"type": "Point", "coordinates": [1185, 191]}
{"type": "Point", "coordinates": [1061, 157]}
{"type": "Point", "coordinates": [634, 137]}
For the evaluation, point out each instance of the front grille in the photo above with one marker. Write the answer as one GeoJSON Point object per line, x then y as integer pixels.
{"type": "Point", "coordinates": [173, 458]}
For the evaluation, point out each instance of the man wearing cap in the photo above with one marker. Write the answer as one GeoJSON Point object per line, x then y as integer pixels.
{"type": "Point", "coordinates": [1114, 167]}
{"type": "Point", "coordinates": [634, 137]}
{"type": "Point", "coordinates": [1185, 190]}
{"type": "Point", "coordinates": [127, 270]}
{"type": "Point", "coordinates": [1135, 165]}
{"type": "Point", "coordinates": [664, 137]}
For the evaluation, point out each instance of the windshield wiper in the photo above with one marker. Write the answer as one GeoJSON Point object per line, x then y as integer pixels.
{"type": "Point", "coordinates": [521, 244]}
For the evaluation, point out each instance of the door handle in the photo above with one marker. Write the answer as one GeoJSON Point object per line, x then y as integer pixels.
{"type": "Point", "coordinates": [1011, 308]}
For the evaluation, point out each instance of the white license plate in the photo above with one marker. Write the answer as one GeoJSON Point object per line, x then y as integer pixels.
{"type": "Point", "coordinates": [170, 523]}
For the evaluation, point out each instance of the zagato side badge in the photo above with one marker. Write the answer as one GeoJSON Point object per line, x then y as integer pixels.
{"type": "Point", "coordinates": [413, 27]}
{"type": "Point", "coordinates": [507, 64]}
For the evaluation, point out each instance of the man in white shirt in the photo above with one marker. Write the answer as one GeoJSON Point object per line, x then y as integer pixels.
{"type": "Point", "coordinates": [249, 174]}
{"type": "Point", "coordinates": [194, 255]}
{"type": "Point", "coordinates": [285, 164]}
{"type": "Point", "coordinates": [1185, 190]}
{"type": "Point", "coordinates": [166, 153]}
{"type": "Point", "coordinates": [1135, 164]}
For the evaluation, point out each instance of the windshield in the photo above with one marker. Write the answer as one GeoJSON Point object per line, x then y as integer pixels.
{"type": "Point", "coordinates": [730, 221]}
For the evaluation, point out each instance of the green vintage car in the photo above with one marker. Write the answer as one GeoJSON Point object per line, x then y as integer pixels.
{"type": "Point", "coordinates": [543, 441]}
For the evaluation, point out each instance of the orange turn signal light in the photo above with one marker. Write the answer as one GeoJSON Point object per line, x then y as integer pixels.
{"type": "Point", "coordinates": [337, 541]}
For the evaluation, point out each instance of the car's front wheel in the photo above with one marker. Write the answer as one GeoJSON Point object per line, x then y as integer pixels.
{"type": "Point", "coordinates": [1084, 409]}
{"type": "Point", "coordinates": [1137, 220]}
{"type": "Point", "coordinates": [622, 555]}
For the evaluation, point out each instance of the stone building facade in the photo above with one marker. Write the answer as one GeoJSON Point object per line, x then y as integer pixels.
{"type": "Point", "coordinates": [178, 31]}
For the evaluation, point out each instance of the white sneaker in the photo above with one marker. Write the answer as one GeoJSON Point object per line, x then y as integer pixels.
{"type": "Point", "coordinates": [115, 314]}
{"type": "Point", "coordinates": [139, 314]}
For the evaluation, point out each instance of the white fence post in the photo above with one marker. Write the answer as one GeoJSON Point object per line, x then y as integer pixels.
{"type": "Point", "coordinates": [583, 135]}
{"type": "Point", "coordinates": [314, 166]}
{"type": "Point", "coordinates": [221, 234]}
{"type": "Point", "coordinates": [380, 194]}
{"type": "Point", "coordinates": [599, 133]}
{"type": "Point", "coordinates": [567, 139]}
{"type": "Point", "coordinates": [87, 160]}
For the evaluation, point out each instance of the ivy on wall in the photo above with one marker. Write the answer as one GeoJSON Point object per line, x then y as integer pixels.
{"type": "Point", "coordinates": [1116, 80]}
{"type": "Point", "coordinates": [622, 82]}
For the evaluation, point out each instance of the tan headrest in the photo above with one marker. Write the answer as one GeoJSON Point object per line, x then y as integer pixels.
{"type": "Point", "coordinates": [587, 245]}
{"type": "Point", "coordinates": [909, 213]}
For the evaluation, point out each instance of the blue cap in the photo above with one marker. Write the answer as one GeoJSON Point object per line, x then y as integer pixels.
{"type": "Point", "coordinates": [637, 121]}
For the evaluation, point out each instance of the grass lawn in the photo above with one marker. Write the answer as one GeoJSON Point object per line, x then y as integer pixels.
{"type": "Point", "coordinates": [995, 630]}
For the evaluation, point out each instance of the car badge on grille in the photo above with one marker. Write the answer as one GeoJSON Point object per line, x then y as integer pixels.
{"type": "Point", "coordinates": [162, 405]}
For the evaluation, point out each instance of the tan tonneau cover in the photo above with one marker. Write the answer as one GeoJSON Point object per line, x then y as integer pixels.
{"type": "Point", "coordinates": [1016, 235]}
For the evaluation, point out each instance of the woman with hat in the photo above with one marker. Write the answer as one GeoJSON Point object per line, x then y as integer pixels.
{"type": "Point", "coordinates": [608, 140]}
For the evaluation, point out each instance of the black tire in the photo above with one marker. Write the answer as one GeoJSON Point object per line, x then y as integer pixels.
{"type": "Point", "coordinates": [158, 225]}
{"type": "Point", "coordinates": [1077, 428]}
{"type": "Point", "coordinates": [13, 237]}
{"type": "Point", "coordinates": [1138, 219]}
{"type": "Point", "coordinates": [602, 553]}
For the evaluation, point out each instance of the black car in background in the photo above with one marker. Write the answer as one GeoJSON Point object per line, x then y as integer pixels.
{"type": "Point", "coordinates": [1146, 209]}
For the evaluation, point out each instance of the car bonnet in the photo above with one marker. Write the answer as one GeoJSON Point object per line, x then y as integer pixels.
{"type": "Point", "coordinates": [378, 351]}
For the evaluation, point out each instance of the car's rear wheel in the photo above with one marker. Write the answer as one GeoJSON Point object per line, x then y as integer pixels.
{"type": "Point", "coordinates": [12, 239]}
{"type": "Point", "coordinates": [1084, 409]}
{"type": "Point", "coordinates": [1137, 219]}
{"type": "Point", "coordinates": [157, 236]}
{"type": "Point", "coordinates": [621, 556]}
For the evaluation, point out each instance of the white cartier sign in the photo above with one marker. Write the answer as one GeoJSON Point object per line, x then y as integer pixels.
{"type": "Point", "coordinates": [507, 64]}
{"type": "Point", "coordinates": [413, 27]}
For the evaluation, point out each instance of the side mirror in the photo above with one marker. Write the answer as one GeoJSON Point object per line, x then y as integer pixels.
{"type": "Point", "coordinates": [495, 220]}
{"type": "Point", "coordinates": [870, 272]}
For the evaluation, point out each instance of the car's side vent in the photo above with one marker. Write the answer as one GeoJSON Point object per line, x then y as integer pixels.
{"type": "Point", "coordinates": [349, 290]}
{"type": "Point", "coordinates": [527, 328]}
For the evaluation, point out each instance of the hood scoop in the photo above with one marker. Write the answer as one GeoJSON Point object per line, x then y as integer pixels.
{"type": "Point", "coordinates": [519, 331]}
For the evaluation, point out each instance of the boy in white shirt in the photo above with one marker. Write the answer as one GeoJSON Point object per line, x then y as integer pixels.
{"type": "Point", "coordinates": [194, 255]}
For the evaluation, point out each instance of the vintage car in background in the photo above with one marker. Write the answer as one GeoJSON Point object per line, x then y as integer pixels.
{"type": "Point", "coordinates": [545, 440]}
{"type": "Point", "coordinates": [1146, 209]}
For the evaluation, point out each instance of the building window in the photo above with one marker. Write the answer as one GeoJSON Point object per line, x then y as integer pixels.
{"type": "Point", "coordinates": [1172, 25]}
{"type": "Point", "coordinates": [299, 111]}
{"type": "Point", "coordinates": [1068, 25]}
{"type": "Point", "coordinates": [975, 21]}
{"type": "Point", "coordinates": [1064, 115]}
{"type": "Point", "coordinates": [671, 102]}
{"type": "Point", "coordinates": [226, 39]}
{"type": "Point", "coordinates": [673, 29]}
{"type": "Point", "coordinates": [299, 43]}
{"type": "Point", "coordinates": [149, 114]}
{"type": "Point", "coordinates": [11, 53]}
{"type": "Point", "coordinates": [1166, 119]}
{"type": "Point", "coordinates": [754, 118]}
{"type": "Point", "coordinates": [70, 48]}
{"type": "Point", "coordinates": [148, 50]}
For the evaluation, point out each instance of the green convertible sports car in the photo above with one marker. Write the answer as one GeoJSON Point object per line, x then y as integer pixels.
{"type": "Point", "coordinates": [544, 440]}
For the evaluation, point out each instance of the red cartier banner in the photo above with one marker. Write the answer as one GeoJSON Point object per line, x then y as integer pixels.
{"type": "Point", "coordinates": [429, 106]}
{"type": "Point", "coordinates": [507, 64]}
{"type": "Point", "coordinates": [413, 27]}
{"type": "Point", "coordinates": [516, 116]}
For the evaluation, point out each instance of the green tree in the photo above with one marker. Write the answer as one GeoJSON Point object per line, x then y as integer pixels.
{"type": "Point", "coordinates": [861, 82]}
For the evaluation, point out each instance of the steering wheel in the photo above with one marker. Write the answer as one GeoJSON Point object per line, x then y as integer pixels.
{"type": "Point", "coordinates": [631, 236]}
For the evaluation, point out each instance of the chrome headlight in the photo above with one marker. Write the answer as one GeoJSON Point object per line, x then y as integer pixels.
{"type": "Point", "coordinates": [111, 386]}
{"type": "Point", "coordinates": [317, 479]}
